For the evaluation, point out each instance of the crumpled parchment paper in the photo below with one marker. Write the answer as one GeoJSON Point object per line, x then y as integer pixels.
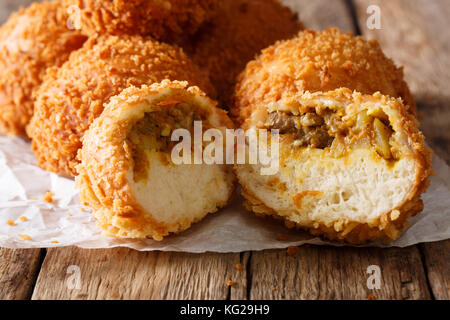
{"type": "Point", "coordinates": [65, 223]}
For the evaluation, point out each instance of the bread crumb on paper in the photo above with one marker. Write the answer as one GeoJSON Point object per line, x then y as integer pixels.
{"type": "Point", "coordinates": [239, 267]}
{"type": "Point", "coordinates": [25, 237]}
{"type": "Point", "coordinates": [23, 218]}
{"type": "Point", "coordinates": [10, 222]}
{"type": "Point", "coordinates": [48, 197]}
{"type": "Point", "coordinates": [282, 237]}
{"type": "Point", "coordinates": [292, 251]}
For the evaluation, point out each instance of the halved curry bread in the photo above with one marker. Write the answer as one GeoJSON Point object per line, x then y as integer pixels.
{"type": "Point", "coordinates": [352, 166]}
{"type": "Point", "coordinates": [127, 173]}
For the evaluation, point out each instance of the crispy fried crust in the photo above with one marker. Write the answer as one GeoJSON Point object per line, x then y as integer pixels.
{"type": "Point", "coordinates": [318, 61]}
{"type": "Point", "coordinates": [72, 96]}
{"type": "Point", "coordinates": [32, 40]}
{"type": "Point", "coordinates": [106, 160]}
{"type": "Point", "coordinates": [389, 225]}
{"type": "Point", "coordinates": [239, 30]}
{"type": "Point", "coordinates": [163, 20]}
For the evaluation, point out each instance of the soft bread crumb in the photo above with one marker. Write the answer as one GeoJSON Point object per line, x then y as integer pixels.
{"type": "Point", "coordinates": [23, 218]}
{"type": "Point", "coordinates": [25, 237]}
{"type": "Point", "coordinates": [48, 197]}
{"type": "Point", "coordinates": [10, 222]}
{"type": "Point", "coordinates": [292, 251]}
{"type": "Point", "coordinates": [239, 267]}
{"type": "Point", "coordinates": [395, 214]}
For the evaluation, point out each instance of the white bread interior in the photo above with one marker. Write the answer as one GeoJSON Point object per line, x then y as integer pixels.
{"type": "Point", "coordinates": [185, 192]}
{"type": "Point", "coordinates": [319, 189]}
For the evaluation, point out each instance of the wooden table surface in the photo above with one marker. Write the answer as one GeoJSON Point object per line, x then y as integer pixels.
{"type": "Point", "coordinates": [416, 34]}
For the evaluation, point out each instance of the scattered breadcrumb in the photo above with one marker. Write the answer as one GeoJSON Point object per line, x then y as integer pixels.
{"type": "Point", "coordinates": [371, 297]}
{"type": "Point", "coordinates": [82, 209]}
{"type": "Point", "coordinates": [10, 222]}
{"type": "Point", "coordinates": [48, 197]}
{"type": "Point", "coordinates": [292, 251]}
{"type": "Point", "coordinates": [282, 237]}
{"type": "Point", "coordinates": [25, 237]}
{"type": "Point", "coordinates": [54, 241]}
{"type": "Point", "coordinates": [239, 267]}
{"type": "Point", "coordinates": [23, 218]}
{"type": "Point", "coordinates": [274, 289]}
{"type": "Point", "coordinates": [34, 198]}
{"type": "Point", "coordinates": [230, 283]}
{"type": "Point", "coordinates": [69, 214]}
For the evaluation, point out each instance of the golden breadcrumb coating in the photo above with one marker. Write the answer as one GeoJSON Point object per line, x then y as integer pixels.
{"type": "Point", "coordinates": [238, 32]}
{"type": "Point", "coordinates": [107, 179]}
{"type": "Point", "coordinates": [72, 96]}
{"type": "Point", "coordinates": [385, 227]}
{"type": "Point", "coordinates": [32, 40]}
{"type": "Point", "coordinates": [318, 61]}
{"type": "Point", "coordinates": [161, 19]}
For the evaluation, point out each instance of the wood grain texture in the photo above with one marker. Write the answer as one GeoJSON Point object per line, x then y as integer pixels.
{"type": "Point", "coordinates": [437, 263]}
{"type": "Point", "coordinates": [337, 273]}
{"type": "Point", "coordinates": [18, 272]}
{"type": "Point", "coordinates": [128, 274]}
{"type": "Point", "coordinates": [416, 34]}
{"type": "Point", "coordinates": [322, 14]}
{"type": "Point", "coordinates": [8, 6]}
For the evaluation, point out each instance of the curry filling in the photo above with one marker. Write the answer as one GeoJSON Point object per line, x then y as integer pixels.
{"type": "Point", "coordinates": [326, 129]}
{"type": "Point", "coordinates": [153, 133]}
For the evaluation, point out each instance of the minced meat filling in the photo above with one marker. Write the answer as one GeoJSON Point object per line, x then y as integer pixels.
{"type": "Point", "coordinates": [154, 131]}
{"type": "Point", "coordinates": [327, 128]}
{"type": "Point", "coordinates": [308, 129]}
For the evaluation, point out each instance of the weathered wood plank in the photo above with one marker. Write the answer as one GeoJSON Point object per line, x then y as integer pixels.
{"type": "Point", "coordinates": [415, 33]}
{"type": "Point", "coordinates": [437, 262]}
{"type": "Point", "coordinates": [18, 272]}
{"type": "Point", "coordinates": [8, 6]}
{"type": "Point", "coordinates": [321, 14]}
{"type": "Point", "coordinates": [337, 273]}
{"type": "Point", "coordinates": [128, 274]}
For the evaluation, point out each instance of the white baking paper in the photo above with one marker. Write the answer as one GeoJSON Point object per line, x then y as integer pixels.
{"type": "Point", "coordinates": [233, 229]}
